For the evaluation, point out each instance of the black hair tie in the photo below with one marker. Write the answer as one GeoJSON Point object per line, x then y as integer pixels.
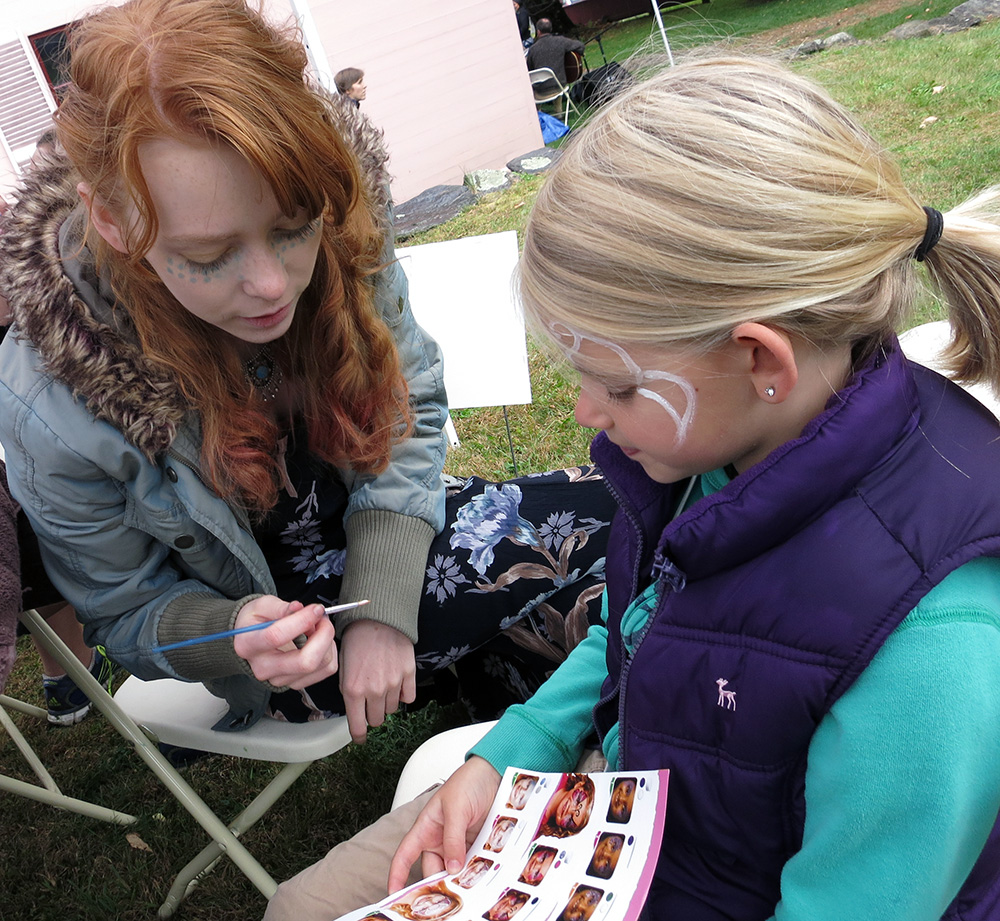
{"type": "Point", "coordinates": [935, 224]}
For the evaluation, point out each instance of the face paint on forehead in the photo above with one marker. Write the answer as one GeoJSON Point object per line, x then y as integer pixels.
{"type": "Point", "coordinates": [682, 421]}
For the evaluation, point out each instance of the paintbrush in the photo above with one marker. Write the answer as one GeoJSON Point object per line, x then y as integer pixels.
{"type": "Point", "coordinates": [299, 640]}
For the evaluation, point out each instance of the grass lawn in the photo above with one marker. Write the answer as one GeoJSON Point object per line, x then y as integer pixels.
{"type": "Point", "coordinates": [57, 866]}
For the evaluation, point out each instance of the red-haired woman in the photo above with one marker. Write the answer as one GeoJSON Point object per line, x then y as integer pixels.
{"type": "Point", "coordinates": [217, 407]}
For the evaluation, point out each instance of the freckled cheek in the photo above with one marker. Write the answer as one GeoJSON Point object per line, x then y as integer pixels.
{"type": "Point", "coordinates": [299, 256]}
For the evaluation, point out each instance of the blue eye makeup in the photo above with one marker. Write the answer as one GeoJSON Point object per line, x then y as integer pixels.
{"type": "Point", "coordinates": [299, 233]}
{"type": "Point", "coordinates": [284, 238]}
{"type": "Point", "coordinates": [208, 268]}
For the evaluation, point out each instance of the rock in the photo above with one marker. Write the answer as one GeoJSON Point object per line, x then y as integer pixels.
{"type": "Point", "coordinates": [482, 181]}
{"type": "Point", "coordinates": [976, 9]}
{"type": "Point", "coordinates": [953, 23]}
{"type": "Point", "coordinates": [821, 44]}
{"type": "Point", "coordinates": [840, 38]}
{"type": "Point", "coordinates": [915, 28]}
{"type": "Point", "coordinates": [432, 207]}
{"type": "Point", "coordinates": [538, 161]}
{"type": "Point", "coordinates": [809, 47]}
{"type": "Point", "coordinates": [966, 15]}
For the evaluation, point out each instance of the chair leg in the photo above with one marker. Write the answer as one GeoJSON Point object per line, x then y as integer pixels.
{"type": "Point", "coordinates": [150, 754]}
{"type": "Point", "coordinates": [571, 107]}
{"type": "Point", "coordinates": [49, 792]}
{"type": "Point", "coordinates": [12, 703]}
{"type": "Point", "coordinates": [203, 863]}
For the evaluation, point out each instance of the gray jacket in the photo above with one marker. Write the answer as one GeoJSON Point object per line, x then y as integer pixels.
{"type": "Point", "coordinates": [104, 458]}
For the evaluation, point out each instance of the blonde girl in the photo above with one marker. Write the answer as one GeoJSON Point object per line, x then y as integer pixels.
{"type": "Point", "coordinates": [803, 592]}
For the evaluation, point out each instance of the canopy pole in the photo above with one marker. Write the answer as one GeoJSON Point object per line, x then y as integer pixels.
{"type": "Point", "coordinates": [663, 31]}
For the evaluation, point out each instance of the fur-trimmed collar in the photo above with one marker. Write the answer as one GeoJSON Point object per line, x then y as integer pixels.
{"type": "Point", "coordinates": [59, 304]}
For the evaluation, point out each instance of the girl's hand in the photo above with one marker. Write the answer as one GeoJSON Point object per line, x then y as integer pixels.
{"type": "Point", "coordinates": [379, 671]}
{"type": "Point", "coordinates": [272, 653]}
{"type": "Point", "coordinates": [448, 824]}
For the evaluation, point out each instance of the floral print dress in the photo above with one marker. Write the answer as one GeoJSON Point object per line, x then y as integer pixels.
{"type": "Point", "coordinates": [512, 582]}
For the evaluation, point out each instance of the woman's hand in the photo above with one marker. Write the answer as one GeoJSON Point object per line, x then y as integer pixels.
{"type": "Point", "coordinates": [273, 654]}
{"type": "Point", "coordinates": [448, 824]}
{"type": "Point", "coordinates": [379, 670]}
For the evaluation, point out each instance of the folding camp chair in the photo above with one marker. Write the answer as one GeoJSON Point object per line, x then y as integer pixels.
{"type": "Point", "coordinates": [182, 713]}
{"type": "Point", "coordinates": [46, 790]}
{"type": "Point", "coordinates": [925, 344]}
{"type": "Point", "coordinates": [436, 759]}
{"type": "Point", "coordinates": [546, 88]}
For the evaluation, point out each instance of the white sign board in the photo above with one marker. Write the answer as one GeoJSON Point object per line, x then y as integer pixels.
{"type": "Point", "coordinates": [461, 293]}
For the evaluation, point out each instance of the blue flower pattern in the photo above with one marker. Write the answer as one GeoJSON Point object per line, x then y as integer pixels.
{"type": "Point", "coordinates": [499, 534]}
{"type": "Point", "coordinates": [494, 515]}
{"type": "Point", "coordinates": [489, 518]}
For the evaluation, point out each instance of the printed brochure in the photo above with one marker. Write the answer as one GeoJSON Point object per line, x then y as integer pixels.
{"type": "Point", "coordinates": [556, 847]}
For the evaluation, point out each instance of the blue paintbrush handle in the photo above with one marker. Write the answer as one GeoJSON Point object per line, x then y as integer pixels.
{"type": "Point", "coordinates": [225, 634]}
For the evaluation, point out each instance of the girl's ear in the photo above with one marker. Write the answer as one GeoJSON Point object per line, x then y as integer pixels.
{"type": "Point", "coordinates": [769, 359]}
{"type": "Point", "coordinates": [104, 223]}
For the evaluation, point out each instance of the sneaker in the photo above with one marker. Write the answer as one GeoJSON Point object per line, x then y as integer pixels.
{"type": "Point", "coordinates": [179, 757]}
{"type": "Point", "coordinates": [66, 703]}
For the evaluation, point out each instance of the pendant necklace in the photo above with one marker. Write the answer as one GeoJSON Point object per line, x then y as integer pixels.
{"type": "Point", "coordinates": [263, 372]}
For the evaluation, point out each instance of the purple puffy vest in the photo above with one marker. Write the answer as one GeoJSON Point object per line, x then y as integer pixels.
{"type": "Point", "coordinates": [775, 594]}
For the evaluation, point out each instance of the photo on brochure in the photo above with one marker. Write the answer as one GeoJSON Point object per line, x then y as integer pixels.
{"type": "Point", "coordinates": [554, 847]}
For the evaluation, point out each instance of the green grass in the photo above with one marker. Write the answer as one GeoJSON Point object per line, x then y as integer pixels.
{"type": "Point", "coordinates": [879, 25]}
{"type": "Point", "coordinates": [719, 20]}
{"type": "Point", "coordinates": [57, 866]}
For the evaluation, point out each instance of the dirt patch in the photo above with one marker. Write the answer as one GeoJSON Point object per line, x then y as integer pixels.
{"type": "Point", "coordinates": [819, 26]}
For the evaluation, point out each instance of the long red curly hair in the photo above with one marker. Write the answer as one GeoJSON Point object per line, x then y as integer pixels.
{"type": "Point", "coordinates": [214, 71]}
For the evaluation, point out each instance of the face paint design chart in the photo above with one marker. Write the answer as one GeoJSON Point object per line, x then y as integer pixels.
{"type": "Point", "coordinates": [555, 847]}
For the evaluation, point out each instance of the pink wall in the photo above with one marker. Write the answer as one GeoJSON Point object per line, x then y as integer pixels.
{"type": "Point", "coordinates": [446, 82]}
{"type": "Point", "coordinates": [446, 78]}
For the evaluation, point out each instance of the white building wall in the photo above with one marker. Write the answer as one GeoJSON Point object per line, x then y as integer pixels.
{"type": "Point", "coordinates": [446, 80]}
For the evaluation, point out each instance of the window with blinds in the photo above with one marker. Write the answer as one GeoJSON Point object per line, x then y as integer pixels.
{"type": "Point", "coordinates": [26, 102]}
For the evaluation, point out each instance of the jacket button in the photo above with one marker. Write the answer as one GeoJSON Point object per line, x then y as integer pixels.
{"type": "Point", "coordinates": [171, 474]}
{"type": "Point", "coordinates": [184, 542]}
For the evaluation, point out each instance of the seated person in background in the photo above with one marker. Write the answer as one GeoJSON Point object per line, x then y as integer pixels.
{"type": "Point", "coordinates": [523, 23]}
{"type": "Point", "coordinates": [66, 703]}
{"type": "Point", "coordinates": [550, 50]}
{"type": "Point", "coordinates": [351, 83]}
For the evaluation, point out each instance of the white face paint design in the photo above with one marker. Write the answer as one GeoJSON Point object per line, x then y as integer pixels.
{"type": "Point", "coordinates": [681, 419]}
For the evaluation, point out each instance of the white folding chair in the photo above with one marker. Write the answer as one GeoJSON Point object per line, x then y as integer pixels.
{"type": "Point", "coordinates": [546, 88]}
{"type": "Point", "coordinates": [436, 760]}
{"type": "Point", "coordinates": [182, 713]}
{"type": "Point", "coordinates": [925, 343]}
{"type": "Point", "coordinates": [47, 790]}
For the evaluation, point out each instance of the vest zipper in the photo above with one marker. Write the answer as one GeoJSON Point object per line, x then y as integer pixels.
{"type": "Point", "coordinates": [666, 573]}
{"type": "Point", "coordinates": [633, 520]}
{"type": "Point", "coordinates": [670, 579]}
{"type": "Point", "coordinates": [668, 576]}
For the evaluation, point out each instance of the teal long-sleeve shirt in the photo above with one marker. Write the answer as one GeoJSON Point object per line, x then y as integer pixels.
{"type": "Point", "coordinates": [903, 776]}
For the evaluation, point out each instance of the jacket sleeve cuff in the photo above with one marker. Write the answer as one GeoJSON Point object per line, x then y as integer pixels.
{"type": "Point", "coordinates": [198, 614]}
{"type": "Point", "coordinates": [386, 559]}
